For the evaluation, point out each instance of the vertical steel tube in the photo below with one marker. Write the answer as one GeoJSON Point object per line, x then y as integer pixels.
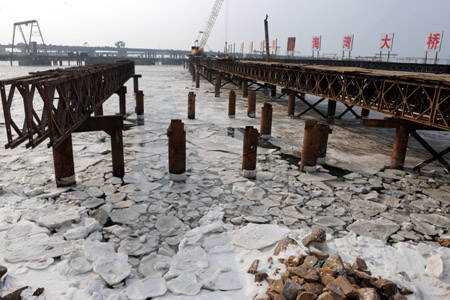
{"type": "Point", "coordinates": [117, 152]}
{"type": "Point", "coordinates": [273, 91]}
{"type": "Point", "coordinates": [331, 111]}
{"type": "Point", "coordinates": [140, 104]}
{"type": "Point", "coordinates": [249, 152]}
{"type": "Point", "coordinates": [232, 105]}
{"type": "Point", "coordinates": [136, 82]}
{"type": "Point", "coordinates": [364, 113]}
{"type": "Point", "coordinates": [291, 103]}
{"type": "Point", "coordinates": [251, 104]}
{"type": "Point", "coordinates": [244, 88]}
{"type": "Point", "coordinates": [63, 163]}
{"type": "Point", "coordinates": [177, 151]}
{"type": "Point", "coordinates": [191, 106]}
{"type": "Point", "coordinates": [399, 149]}
{"type": "Point", "coordinates": [311, 139]}
{"type": "Point", "coordinates": [197, 78]}
{"type": "Point", "coordinates": [218, 83]}
{"type": "Point", "coordinates": [324, 130]}
{"type": "Point", "coordinates": [266, 121]}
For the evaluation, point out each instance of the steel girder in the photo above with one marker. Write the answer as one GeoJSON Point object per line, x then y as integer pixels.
{"type": "Point", "coordinates": [56, 102]}
{"type": "Point", "coordinates": [420, 98]}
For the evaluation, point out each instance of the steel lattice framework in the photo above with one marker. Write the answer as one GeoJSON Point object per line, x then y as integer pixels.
{"type": "Point", "coordinates": [56, 102]}
{"type": "Point", "coordinates": [417, 97]}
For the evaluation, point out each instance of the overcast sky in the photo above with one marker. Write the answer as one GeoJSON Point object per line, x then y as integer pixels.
{"type": "Point", "coordinates": [174, 24]}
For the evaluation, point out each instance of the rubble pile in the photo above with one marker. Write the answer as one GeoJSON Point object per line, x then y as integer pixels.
{"type": "Point", "coordinates": [316, 275]}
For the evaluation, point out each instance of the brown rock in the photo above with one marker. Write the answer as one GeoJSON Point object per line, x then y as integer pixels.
{"type": "Point", "coordinates": [279, 297]}
{"type": "Point", "coordinates": [312, 276]}
{"type": "Point", "coordinates": [405, 291]}
{"type": "Point", "coordinates": [346, 287]}
{"type": "Point", "coordinates": [253, 267]}
{"type": "Point", "coordinates": [368, 294]}
{"type": "Point", "coordinates": [283, 244]}
{"type": "Point", "coordinates": [335, 290]}
{"type": "Point", "coordinates": [325, 296]}
{"type": "Point", "coordinates": [260, 277]}
{"type": "Point", "coordinates": [360, 264]}
{"type": "Point", "coordinates": [291, 263]}
{"type": "Point", "coordinates": [38, 292]}
{"type": "Point", "coordinates": [284, 276]}
{"type": "Point", "coordinates": [443, 242]}
{"type": "Point", "coordinates": [317, 236]}
{"type": "Point", "coordinates": [271, 294]}
{"type": "Point", "coordinates": [386, 286]}
{"type": "Point", "coordinates": [310, 261]}
{"type": "Point", "coordinates": [334, 263]}
{"type": "Point", "coordinates": [326, 272]}
{"type": "Point", "coordinates": [319, 254]}
{"type": "Point", "coordinates": [401, 297]}
{"type": "Point", "coordinates": [277, 286]}
{"type": "Point", "coordinates": [299, 271]}
{"type": "Point", "coordinates": [306, 296]}
{"type": "Point", "coordinates": [326, 279]}
{"type": "Point", "coordinates": [362, 275]}
{"type": "Point", "coordinates": [15, 295]}
{"type": "Point", "coordinates": [315, 288]}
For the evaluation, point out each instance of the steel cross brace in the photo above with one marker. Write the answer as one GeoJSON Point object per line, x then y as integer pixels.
{"type": "Point", "coordinates": [435, 155]}
{"type": "Point", "coordinates": [349, 109]}
{"type": "Point", "coordinates": [310, 106]}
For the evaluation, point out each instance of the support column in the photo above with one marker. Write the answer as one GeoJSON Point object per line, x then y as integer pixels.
{"type": "Point", "coordinates": [400, 146]}
{"type": "Point", "coordinates": [63, 163]}
{"type": "Point", "coordinates": [232, 105]}
{"type": "Point", "coordinates": [251, 104]}
{"type": "Point", "coordinates": [364, 113]}
{"type": "Point", "coordinates": [136, 82]}
{"type": "Point", "coordinates": [244, 88]}
{"type": "Point", "coordinates": [266, 121]}
{"type": "Point", "coordinates": [140, 104]}
{"type": "Point", "coordinates": [324, 131]}
{"type": "Point", "coordinates": [273, 91]}
{"type": "Point", "coordinates": [118, 164]}
{"type": "Point", "coordinates": [177, 151]}
{"type": "Point", "coordinates": [191, 106]}
{"type": "Point", "coordinates": [197, 78]}
{"type": "Point", "coordinates": [331, 111]}
{"type": "Point", "coordinates": [291, 104]}
{"type": "Point", "coordinates": [99, 111]}
{"type": "Point", "coordinates": [122, 91]}
{"type": "Point", "coordinates": [249, 152]}
{"type": "Point", "coordinates": [218, 83]}
{"type": "Point", "coordinates": [311, 138]}
{"type": "Point", "coordinates": [193, 72]}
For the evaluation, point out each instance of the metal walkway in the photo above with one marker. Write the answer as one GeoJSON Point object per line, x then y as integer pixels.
{"type": "Point", "coordinates": [416, 97]}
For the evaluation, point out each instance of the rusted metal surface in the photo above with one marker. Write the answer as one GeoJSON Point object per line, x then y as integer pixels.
{"type": "Point", "coordinates": [136, 82]}
{"type": "Point", "coordinates": [217, 85]}
{"type": "Point", "coordinates": [249, 152]}
{"type": "Point", "coordinates": [191, 106]}
{"type": "Point", "coordinates": [56, 102]}
{"type": "Point", "coordinates": [244, 88]}
{"type": "Point", "coordinates": [251, 104]}
{"type": "Point", "coordinates": [315, 139]}
{"type": "Point", "coordinates": [177, 150]}
{"type": "Point", "coordinates": [232, 104]}
{"type": "Point", "coordinates": [291, 104]}
{"type": "Point", "coordinates": [63, 163]}
{"type": "Point", "coordinates": [400, 146]}
{"type": "Point", "coordinates": [417, 97]}
{"type": "Point", "coordinates": [266, 121]}
{"type": "Point", "coordinates": [140, 103]}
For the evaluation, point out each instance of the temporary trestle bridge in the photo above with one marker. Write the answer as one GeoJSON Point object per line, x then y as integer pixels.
{"type": "Point", "coordinates": [415, 101]}
{"type": "Point", "coordinates": [53, 104]}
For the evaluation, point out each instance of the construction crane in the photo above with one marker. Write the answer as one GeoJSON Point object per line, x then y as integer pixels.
{"type": "Point", "coordinates": [197, 49]}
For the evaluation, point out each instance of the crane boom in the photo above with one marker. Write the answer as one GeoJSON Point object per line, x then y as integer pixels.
{"type": "Point", "coordinates": [198, 49]}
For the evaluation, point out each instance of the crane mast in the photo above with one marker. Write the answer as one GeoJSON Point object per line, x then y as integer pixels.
{"type": "Point", "coordinates": [197, 49]}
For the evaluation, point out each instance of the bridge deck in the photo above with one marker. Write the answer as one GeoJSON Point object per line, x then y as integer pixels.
{"type": "Point", "coordinates": [418, 97]}
{"type": "Point", "coordinates": [56, 102]}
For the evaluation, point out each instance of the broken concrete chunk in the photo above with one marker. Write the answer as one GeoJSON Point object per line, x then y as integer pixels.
{"type": "Point", "coordinates": [368, 294]}
{"type": "Point", "coordinates": [283, 244]}
{"type": "Point", "coordinates": [317, 236]}
{"type": "Point", "coordinates": [360, 264]}
{"type": "Point", "coordinates": [334, 263]}
{"type": "Point", "coordinates": [346, 287]}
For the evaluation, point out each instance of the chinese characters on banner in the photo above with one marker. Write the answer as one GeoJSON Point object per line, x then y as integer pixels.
{"type": "Point", "coordinates": [291, 46]}
{"type": "Point", "coordinates": [434, 41]}
{"type": "Point", "coordinates": [347, 42]}
{"type": "Point", "coordinates": [250, 47]}
{"type": "Point", "coordinates": [261, 48]}
{"type": "Point", "coordinates": [387, 40]}
{"type": "Point", "coordinates": [242, 47]}
{"type": "Point", "coordinates": [316, 40]}
{"type": "Point", "coordinates": [274, 46]}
